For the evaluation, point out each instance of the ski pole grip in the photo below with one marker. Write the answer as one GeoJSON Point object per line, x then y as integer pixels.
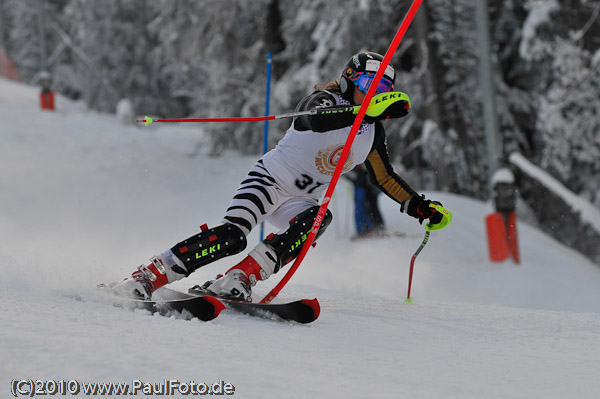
{"type": "Point", "coordinates": [382, 101]}
{"type": "Point", "coordinates": [446, 218]}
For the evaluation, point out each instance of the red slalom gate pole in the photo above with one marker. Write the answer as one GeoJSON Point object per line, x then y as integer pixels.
{"type": "Point", "coordinates": [346, 151]}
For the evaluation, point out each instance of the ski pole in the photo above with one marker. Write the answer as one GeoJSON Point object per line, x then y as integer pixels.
{"type": "Point", "coordinates": [382, 101]}
{"type": "Point", "coordinates": [412, 264]}
{"type": "Point", "coordinates": [318, 111]}
{"type": "Point", "coordinates": [445, 221]}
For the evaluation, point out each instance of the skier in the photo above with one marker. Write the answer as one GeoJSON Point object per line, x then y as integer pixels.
{"type": "Point", "coordinates": [284, 188]}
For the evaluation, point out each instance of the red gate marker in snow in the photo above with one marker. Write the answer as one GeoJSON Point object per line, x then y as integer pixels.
{"type": "Point", "coordinates": [502, 236]}
{"type": "Point", "coordinates": [502, 225]}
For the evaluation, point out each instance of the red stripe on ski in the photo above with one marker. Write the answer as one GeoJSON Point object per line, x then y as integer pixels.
{"type": "Point", "coordinates": [218, 305]}
{"type": "Point", "coordinates": [314, 304]}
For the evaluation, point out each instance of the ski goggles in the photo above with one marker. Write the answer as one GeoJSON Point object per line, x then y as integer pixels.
{"type": "Point", "coordinates": [363, 80]}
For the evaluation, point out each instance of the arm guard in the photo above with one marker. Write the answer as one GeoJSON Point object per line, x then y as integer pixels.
{"type": "Point", "coordinates": [321, 123]}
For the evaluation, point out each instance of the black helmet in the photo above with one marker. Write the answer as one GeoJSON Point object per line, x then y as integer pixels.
{"type": "Point", "coordinates": [365, 65]}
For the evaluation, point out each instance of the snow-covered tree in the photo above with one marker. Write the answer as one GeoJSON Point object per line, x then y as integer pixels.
{"type": "Point", "coordinates": [109, 42]}
{"type": "Point", "coordinates": [561, 47]}
{"type": "Point", "coordinates": [29, 38]}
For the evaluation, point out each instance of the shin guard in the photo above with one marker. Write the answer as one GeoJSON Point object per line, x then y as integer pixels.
{"type": "Point", "coordinates": [209, 246]}
{"type": "Point", "coordinates": [287, 245]}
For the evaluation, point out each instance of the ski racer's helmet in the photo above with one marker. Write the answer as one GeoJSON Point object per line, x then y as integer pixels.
{"type": "Point", "coordinates": [360, 71]}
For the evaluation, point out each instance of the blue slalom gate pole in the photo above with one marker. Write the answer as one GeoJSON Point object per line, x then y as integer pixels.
{"type": "Point", "coordinates": [266, 131]}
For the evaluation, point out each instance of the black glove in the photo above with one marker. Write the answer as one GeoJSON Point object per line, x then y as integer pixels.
{"type": "Point", "coordinates": [419, 207]}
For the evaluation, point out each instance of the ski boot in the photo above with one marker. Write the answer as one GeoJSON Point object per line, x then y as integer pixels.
{"type": "Point", "coordinates": [238, 281]}
{"type": "Point", "coordinates": [146, 279]}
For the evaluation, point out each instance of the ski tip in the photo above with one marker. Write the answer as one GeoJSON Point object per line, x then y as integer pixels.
{"type": "Point", "coordinates": [314, 304]}
{"type": "Point", "coordinates": [217, 305]}
{"type": "Point", "coordinates": [408, 300]}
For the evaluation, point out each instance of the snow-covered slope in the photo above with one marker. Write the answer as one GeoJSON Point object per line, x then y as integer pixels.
{"type": "Point", "coordinates": [85, 200]}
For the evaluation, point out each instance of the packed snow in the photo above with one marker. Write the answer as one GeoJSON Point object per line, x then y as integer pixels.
{"type": "Point", "coordinates": [86, 199]}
